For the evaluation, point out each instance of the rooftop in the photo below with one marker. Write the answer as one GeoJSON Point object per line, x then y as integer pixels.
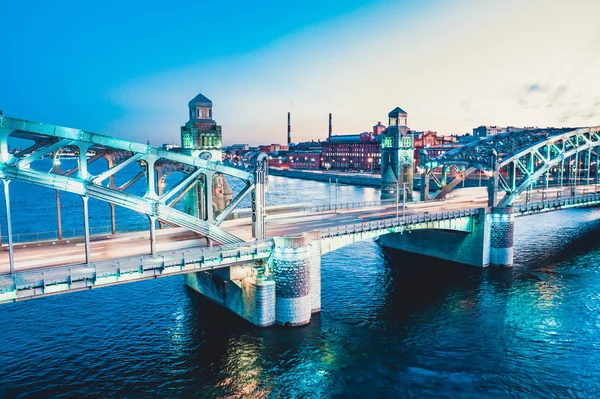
{"type": "Point", "coordinates": [200, 100]}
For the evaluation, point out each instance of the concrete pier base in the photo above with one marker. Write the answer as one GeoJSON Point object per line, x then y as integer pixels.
{"type": "Point", "coordinates": [501, 237]}
{"type": "Point", "coordinates": [488, 240]}
{"type": "Point", "coordinates": [291, 264]}
{"type": "Point", "coordinates": [469, 246]}
{"type": "Point", "coordinates": [236, 289]}
{"type": "Point", "coordinates": [288, 297]}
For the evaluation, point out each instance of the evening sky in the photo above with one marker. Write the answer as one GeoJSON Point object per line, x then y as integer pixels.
{"type": "Point", "coordinates": [128, 68]}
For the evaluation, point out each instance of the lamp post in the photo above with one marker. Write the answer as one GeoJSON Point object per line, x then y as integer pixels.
{"type": "Point", "coordinates": [403, 202]}
{"type": "Point", "coordinates": [336, 194]}
{"type": "Point", "coordinates": [403, 162]}
{"type": "Point", "coordinates": [397, 199]}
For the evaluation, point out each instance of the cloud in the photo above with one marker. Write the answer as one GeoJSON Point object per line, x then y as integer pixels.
{"type": "Point", "coordinates": [530, 96]}
{"type": "Point", "coordinates": [537, 88]}
{"type": "Point", "coordinates": [556, 95]}
{"type": "Point", "coordinates": [454, 66]}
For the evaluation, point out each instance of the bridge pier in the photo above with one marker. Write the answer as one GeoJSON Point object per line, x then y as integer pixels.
{"type": "Point", "coordinates": [239, 289]}
{"type": "Point", "coordinates": [501, 236]}
{"type": "Point", "coordinates": [286, 290]}
{"type": "Point", "coordinates": [296, 264]}
{"type": "Point", "coordinates": [483, 240]}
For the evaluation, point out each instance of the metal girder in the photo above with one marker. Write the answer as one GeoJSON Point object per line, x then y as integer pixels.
{"type": "Point", "coordinates": [131, 181]}
{"type": "Point", "coordinates": [435, 179]}
{"type": "Point", "coordinates": [155, 164]}
{"type": "Point", "coordinates": [540, 156]}
{"type": "Point", "coordinates": [182, 194]}
{"type": "Point", "coordinates": [508, 199]}
{"type": "Point", "coordinates": [144, 205]}
{"type": "Point", "coordinates": [520, 148]}
{"type": "Point", "coordinates": [504, 183]}
{"type": "Point", "coordinates": [184, 183]}
{"type": "Point", "coordinates": [449, 186]}
{"type": "Point", "coordinates": [110, 172]}
{"type": "Point", "coordinates": [236, 201]}
{"type": "Point", "coordinates": [28, 128]}
{"type": "Point", "coordinates": [40, 152]}
{"type": "Point", "coordinates": [34, 147]}
{"type": "Point", "coordinates": [522, 167]}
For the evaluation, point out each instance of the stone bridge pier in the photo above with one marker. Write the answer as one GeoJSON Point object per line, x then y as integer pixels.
{"type": "Point", "coordinates": [502, 228]}
{"type": "Point", "coordinates": [284, 289]}
{"type": "Point", "coordinates": [296, 265]}
{"type": "Point", "coordinates": [486, 240]}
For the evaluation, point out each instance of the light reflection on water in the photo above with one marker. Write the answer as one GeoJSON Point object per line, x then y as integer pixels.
{"type": "Point", "coordinates": [392, 325]}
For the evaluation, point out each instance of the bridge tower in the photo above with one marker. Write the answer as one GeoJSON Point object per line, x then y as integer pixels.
{"type": "Point", "coordinates": [201, 137]}
{"type": "Point", "coordinates": [397, 152]}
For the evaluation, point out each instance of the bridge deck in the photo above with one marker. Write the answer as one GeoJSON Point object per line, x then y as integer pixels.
{"type": "Point", "coordinates": [119, 246]}
{"type": "Point", "coordinates": [42, 271]}
{"type": "Point", "coordinates": [35, 256]}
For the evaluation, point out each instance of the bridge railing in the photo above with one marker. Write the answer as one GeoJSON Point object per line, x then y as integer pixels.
{"type": "Point", "coordinates": [395, 222]}
{"type": "Point", "coordinates": [348, 205]}
{"type": "Point", "coordinates": [68, 234]}
{"type": "Point", "coordinates": [541, 206]}
{"type": "Point", "coordinates": [165, 263]}
{"type": "Point", "coordinates": [73, 233]}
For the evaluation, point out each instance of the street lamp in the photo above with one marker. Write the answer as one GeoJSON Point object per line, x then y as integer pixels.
{"type": "Point", "coordinates": [403, 202]}
{"type": "Point", "coordinates": [370, 160]}
{"type": "Point", "coordinates": [397, 199]}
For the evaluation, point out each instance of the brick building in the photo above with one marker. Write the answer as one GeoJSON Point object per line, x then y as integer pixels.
{"type": "Point", "coordinates": [433, 143]}
{"type": "Point", "coordinates": [354, 151]}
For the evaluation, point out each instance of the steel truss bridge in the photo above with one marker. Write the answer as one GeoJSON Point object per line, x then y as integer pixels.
{"type": "Point", "coordinates": [515, 162]}
{"type": "Point", "coordinates": [155, 165]}
{"type": "Point", "coordinates": [518, 161]}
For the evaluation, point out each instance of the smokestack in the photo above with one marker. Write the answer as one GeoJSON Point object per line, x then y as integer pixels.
{"type": "Point", "coordinates": [289, 130]}
{"type": "Point", "coordinates": [330, 125]}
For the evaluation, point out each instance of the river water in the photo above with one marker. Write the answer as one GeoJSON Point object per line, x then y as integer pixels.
{"type": "Point", "coordinates": [392, 324]}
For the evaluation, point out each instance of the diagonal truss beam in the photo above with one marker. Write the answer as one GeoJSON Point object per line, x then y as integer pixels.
{"type": "Point", "coordinates": [40, 152]}
{"type": "Point", "coordinates": [183, 193]}
{"type": "Point", "coordinates": [135, 178]}
{"type": "Point", "coordinates": [450, 186]}
{"type": "Point", "coordinates": [181, 185]}
{"type": "Point", "coordinates": [236, 201]}
{"type": "Point", "coordinates": [32, 148]}
{"type": "Point", "coordinates": [144, 205]}
{"type": "Point", "coordinates": [112, 171]}
{"type": "Point", "coordinates": [69, 134]}
{"type": "Point", "coordinates": [75, 169]}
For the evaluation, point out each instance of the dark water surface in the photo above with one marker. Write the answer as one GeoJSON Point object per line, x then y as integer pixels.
{"type": "Point", "coordinates": [392, 325]}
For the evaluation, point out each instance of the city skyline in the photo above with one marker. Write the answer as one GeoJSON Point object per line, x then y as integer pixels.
{"type": "Point", "coordinates": [452, 65]}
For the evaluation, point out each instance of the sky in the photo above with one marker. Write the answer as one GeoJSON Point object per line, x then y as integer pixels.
{"type": "Point", "coordinates": [129, 68]}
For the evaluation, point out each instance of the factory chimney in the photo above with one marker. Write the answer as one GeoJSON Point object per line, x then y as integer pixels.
{"type": "Point", "coordinates": [289, 138]}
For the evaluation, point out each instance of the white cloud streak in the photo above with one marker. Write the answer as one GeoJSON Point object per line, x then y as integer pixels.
{"type": "Point", "coordinates": [452, 65]}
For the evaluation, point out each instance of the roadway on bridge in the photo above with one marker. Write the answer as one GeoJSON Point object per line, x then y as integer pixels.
{"type": "Point", "coordinates": [137, 243]}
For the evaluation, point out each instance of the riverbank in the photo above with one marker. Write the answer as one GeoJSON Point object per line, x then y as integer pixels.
{"type": "Point", "coordinates": [357, 179]}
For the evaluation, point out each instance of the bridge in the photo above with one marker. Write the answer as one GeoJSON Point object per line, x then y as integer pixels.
{"type": "Point", "coordinates": [266, 267]}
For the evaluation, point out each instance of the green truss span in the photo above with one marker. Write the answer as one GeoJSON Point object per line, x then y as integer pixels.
{"type": "Point", "coordinates": [48, 139]}
{"type": "Point", "coordinates": [518, 159]}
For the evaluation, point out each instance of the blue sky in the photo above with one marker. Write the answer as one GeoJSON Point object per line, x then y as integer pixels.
{"type": "Point", "coordinates": [128, 68]}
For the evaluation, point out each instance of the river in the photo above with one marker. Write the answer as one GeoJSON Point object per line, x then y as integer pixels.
{"type": "Point", "coordinates": [392, 324]}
